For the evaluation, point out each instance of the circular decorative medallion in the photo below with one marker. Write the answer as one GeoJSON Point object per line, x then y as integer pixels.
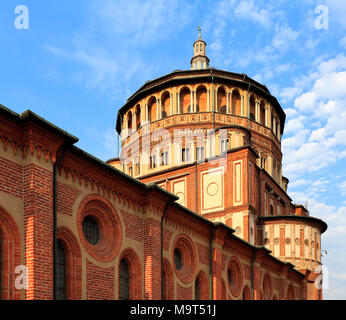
{"type": "Point", "coordinates": [266, 241]}
{"type": "Point", "coordinates": [181, 197]}
{"type": "Point", "coordinates": [306, 242]}
{"type": "Point", "coordinates": [297, 241]}
{"type": "Point", "coordinates": [276, 241]}
{"type": "Point", "coordinates": [212, 188]}
{"type": "Point", "coordinates": [237, 230]}
{"type": "Point", "coordinates": [288, 240]}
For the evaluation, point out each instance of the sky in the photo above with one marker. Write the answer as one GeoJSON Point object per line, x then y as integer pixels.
{"type": "Point", "coordinates": [76, 62]}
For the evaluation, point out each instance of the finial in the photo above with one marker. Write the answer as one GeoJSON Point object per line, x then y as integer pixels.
{"type": "Point", "coordinates": [199, 30]}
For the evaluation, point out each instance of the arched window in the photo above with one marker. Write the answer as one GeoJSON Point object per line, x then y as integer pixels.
{"type": "Point", "coordinates": [60, 272]}
{"type": "Point", "coordinates": [263, 114]}
{"type": "Point", "coordinates": [152, 109]}
{"type": "Point", "coordinates": [197, 289]}
{"type": "Point", "coordinates": [201, 95]}
{"type": "Point", "coordinates": [246, 293]}
{"type": "Point", "coordinates": [138, 117]}
{"type": "Point", "coordinates": [185, 100]}
{"type": "Point", "coordinates": [166, 101]}
{"type": "Point", "coordinates": [129, 122]}
{"type": "Point", "coordinates": [223, 109]}
{"type": "Point", "coordinates": [124, 280]}
{"type": "Point", "coordinates": [252, 108]}
{"type": "Point", "coordinates": [221, 99]}
{"type": "Point", "coordinates": [271, 210]}
{"type": "Point", "coordinates": [236, 103]}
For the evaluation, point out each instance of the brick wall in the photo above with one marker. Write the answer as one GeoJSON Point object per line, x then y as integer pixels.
{"type": "Point", "coordinates": [99, 282]}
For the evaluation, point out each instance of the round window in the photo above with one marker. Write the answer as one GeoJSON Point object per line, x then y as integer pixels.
{"type": "Point", "coordinates": [91, 230]}
{"type": "Point", "coordinates": [184, 258]}
{"type": "Point", "coordinates": [177, 259]}
{"type": "Point", "coordinates": [230, 277]}
{"type": "Point", "coordinates": [99, 228]}
{"type": "Point", "coordinates": [235, 276]}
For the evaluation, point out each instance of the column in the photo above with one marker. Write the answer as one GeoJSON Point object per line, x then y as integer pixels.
{"type": "Point", "coordinates": [194, 102]}
{"type": "Point", "coordinates": [208, 100]}
{"type": "Point", "coordinates": [159, 109]}
{"type": "Point", "coordinates": [230, 102]}
{"type": "Point", "coordinates": [242, 105]}
{"type": "Point", "coordinates": [257, 113]}
{"type": "Point", "coordinates": [134, 121]}
{"type": "Point", "coordinates": [215, 101]}
{"type": "Point", "coordinates": [178, 103]}
{"type": "Point", "coordinates": [227, 105]}
{"type": "Point", "coordinates": [146, 112]}
{"type": "Point", "coordinates": [170, 103]}
{"type": "Point", "coordinates": [191, 101]}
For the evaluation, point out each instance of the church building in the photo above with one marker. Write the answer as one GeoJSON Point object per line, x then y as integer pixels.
{"type": "Point", "coordinates": [196, 206]}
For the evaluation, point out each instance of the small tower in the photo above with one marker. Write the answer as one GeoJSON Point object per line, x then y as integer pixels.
{"type": "Point", "coordinates": [199, 60]}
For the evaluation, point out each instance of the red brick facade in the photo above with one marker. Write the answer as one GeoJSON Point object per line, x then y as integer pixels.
{"type": "Point", "coordinates": [140, 225]}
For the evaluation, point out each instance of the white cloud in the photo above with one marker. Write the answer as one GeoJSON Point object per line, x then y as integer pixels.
{"type": "Point", "coordinates": [343, 42]}
{"type": "Point", "coordinates": [294, 125]}
{"type": "Point", "coordinates": [284, 38]}
{"type": "Point", "coordinates": [342, 187]}
{"type": "Point", "coordinates": [248, 10]}
{"type": "Point", "coordinates": [306, 102]}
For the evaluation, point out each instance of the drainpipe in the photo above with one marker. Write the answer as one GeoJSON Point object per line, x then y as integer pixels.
{"type": "Point", "coordinates": [213, 99]}
{"type": "Point", "coordinates": [163, 215]}
{"type": "Point", "coordinates": [196, 186]}
{"type": "Point", "coordinates": [55, 240]}
{"type": "Point", "coordinates": [211, 265]}
{"type": "Point", "coordinates": [252, 273]}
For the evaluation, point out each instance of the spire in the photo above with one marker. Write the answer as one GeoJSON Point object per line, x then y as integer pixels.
{"type": "Point", "coordinates": [199, 59]}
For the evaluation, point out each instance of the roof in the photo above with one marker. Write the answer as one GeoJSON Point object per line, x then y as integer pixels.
{"type": "Point", "coordinates": [320, 222]}
{"type": "Point", "coordinates": [205, 75]}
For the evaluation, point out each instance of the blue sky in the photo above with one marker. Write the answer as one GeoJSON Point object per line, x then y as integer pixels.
{"type": "Point", "coordinates": [80, 60]}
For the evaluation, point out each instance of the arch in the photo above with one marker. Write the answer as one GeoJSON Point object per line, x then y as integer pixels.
{"type": "Point", "coordinates": [129, 122]}
{"type": "Point", "coordinates": [246, 293]}
{"type": "Point", "coordinates": [185, 100]}
{"type": "Point", "coordinates": [201, 283]}
{"type": "Point", "coordinates": [152, 109]}
{"type": "Point", "coordinates": [201, 97]}
{"type": "Point", "coordinates": [168, 281]}
{"type": "Point", "coordinates": [267, 287]}
{"type": "Point", "coordinates": [252, 111]}
{"type": "Point", "coordinates": [9, 256]}
{"type": "Point", "coordinates": [290, 293]}
{"type": "Point", "coordinates": [138, 116]}
{"type": "Point", "coordinates": [236, 103]}
{"type": "Point", "coordinates": [165, 104]}
{"type": "Point", "coordinates": [262, 119]}
{"type": "Point", "coordinates": [73, 261]}
{"type": "Point", "coordinates": [134, 273]}
{"type": "Point", "coordinates": [221, 100]}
